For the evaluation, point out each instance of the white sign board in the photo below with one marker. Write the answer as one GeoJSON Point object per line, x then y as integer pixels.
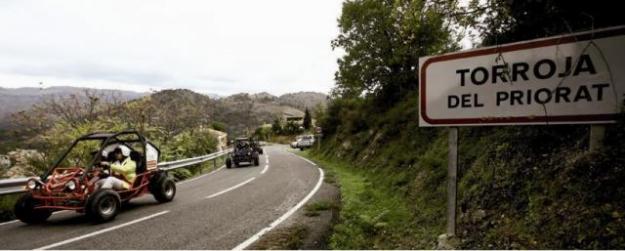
{"type": "Point", "coordinates": [151, 156]}
{"type": "Point", "coordinates": [576, 78]}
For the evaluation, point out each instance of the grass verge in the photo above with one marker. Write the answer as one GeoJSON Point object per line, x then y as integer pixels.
{"type": "Point", "coordinates": [288, 238]}
{"type": "Point", "coordinates": [313, 209]}
{"type": "Point", "coordinates": [371, 216]}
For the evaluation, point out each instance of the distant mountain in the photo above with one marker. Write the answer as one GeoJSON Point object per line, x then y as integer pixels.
{"type": "Point", "coordinates": [19, 99]}
{"type": "Point", "coordinates": [303, 100]}
{"type": "Point", "coordinates": [239, 112]}
{"type": "Point", "coordinates": [264, 97]}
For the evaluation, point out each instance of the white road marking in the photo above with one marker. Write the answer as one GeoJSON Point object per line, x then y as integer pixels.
{"type": "Point", "coordinates": [203, 175]}
{"type": "Point", "coordinates": [231, 188]}
{"type": "Point", "coordinates": [266, 164]}
{"type": "Point", "coordinates": [277, 222]}
{"type": "Point", "coordinates": [305, 159]}
{"type": "Point", "coordinates": [102, 231]}
{"type": "Point", "coordinates": [264, 169]}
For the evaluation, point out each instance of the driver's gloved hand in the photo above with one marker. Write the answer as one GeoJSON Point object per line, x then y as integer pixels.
{"type": "Point", "coordinates": [105, 173]}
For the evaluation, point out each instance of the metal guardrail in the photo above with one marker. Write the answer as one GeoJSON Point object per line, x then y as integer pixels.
{"type": "Point", "coordinates": [191, 161]}
{"type": "Point", "coordinates": [17, 185]}
{"type": "Point", "coordinates": [10, 186]}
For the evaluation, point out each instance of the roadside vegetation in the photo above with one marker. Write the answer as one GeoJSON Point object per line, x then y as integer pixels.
{"type": "Point", "coordinates": [289, 238]}
{"type": "Point", "coordinates": [313, 209]}
{"type": "Point", "coordinates": [520, 187]}
{"type": "Point", "coordinates": [371, 216]}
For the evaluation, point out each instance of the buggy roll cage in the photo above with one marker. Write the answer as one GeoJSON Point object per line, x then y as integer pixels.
{"type": "Point", "coordinates": [107, 138]}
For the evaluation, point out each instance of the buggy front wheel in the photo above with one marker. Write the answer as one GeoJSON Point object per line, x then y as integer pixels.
{"type": "Point", "coordinates": [25, 210]}
{"type": "Point", "coordinates": [228, 163]}
{"type": "Point", "coordinates": [103, 205]}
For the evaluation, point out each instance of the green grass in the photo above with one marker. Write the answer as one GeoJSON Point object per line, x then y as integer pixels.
{"type": "Point", "coordinates": [288, 238]}
{"type": "Point", "coordinates": [313, 209]}
{"type": "Point", "coordinates": [372, 216]}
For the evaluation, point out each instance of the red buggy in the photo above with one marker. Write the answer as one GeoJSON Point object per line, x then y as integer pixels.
{"type": "Point", "coordinates": [70, 184]}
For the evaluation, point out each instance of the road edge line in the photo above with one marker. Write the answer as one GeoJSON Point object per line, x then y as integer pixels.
{"type": "Point", "coordinates": [305, 159]}
{"type": "Point", "coordinates": [265, 169]}
{"type": "Point", "coordinates": [101, 231]}
{"type": "Point", "coordinates": [285, 216]}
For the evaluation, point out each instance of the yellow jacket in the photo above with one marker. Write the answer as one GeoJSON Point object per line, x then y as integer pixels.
{"type": "Point", "coordinates": [126, 168]}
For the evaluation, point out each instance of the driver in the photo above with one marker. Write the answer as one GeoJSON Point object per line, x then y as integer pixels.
{"type": "Point", "coordinates": [121, 167]}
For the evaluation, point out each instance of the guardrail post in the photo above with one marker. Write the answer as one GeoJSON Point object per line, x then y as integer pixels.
{"type": "Point", "coordinates": [214, 163]}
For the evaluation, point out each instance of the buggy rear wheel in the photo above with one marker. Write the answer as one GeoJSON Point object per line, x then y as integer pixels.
{"type": "Point", "coordinates": [103, 205]}
{"type": "Point", "coordinates": [163, 189]}
{"type": "Point", "coordinates": [25, 210]}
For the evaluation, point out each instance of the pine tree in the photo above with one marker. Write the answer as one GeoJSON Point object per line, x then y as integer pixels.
{"type": "Point", "coordinates": [307, 120]}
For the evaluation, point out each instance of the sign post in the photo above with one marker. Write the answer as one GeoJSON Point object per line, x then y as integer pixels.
{"type": "Point", "coordinates": [318, 133]}
{"type": "Point", "coordinates": [452, 171]}
{"type": "Point", "coordinates": [597, 133]}
{"type": "Point", "coordinates": [576, 78]}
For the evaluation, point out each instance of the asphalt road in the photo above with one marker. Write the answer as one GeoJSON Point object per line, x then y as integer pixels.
{"type": "Point", "coordinates": [224, 209]}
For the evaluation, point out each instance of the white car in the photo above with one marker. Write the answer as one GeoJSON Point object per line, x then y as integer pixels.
{"type": "Point", "coordinates": [305, 141]}
{"type": "Point", "coordinates": [294, 143]}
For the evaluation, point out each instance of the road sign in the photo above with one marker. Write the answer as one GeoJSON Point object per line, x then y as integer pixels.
{"type": "Point", "coordinates": [576, 78]}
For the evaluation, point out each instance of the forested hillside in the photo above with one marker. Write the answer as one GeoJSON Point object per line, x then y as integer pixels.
{"type": "Point", "coordinates": [177, 120]}
{"type": "Point", "coordinates": [520, 187]}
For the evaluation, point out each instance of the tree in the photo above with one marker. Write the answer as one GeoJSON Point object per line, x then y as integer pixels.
{"type": "Point", "coordinates": [511, 21]}
{"type": "Point", "coordinates": [383, 40]}
{"type": "Point", "coordinates": [307, 120]}
{"type": "Point", "coordinates": [319, 113]}
{"type": "Point", "coordinates": [276, 127]}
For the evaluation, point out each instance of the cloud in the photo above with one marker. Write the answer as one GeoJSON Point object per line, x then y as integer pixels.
{"type": "Point", "coordinates": [220, 47]}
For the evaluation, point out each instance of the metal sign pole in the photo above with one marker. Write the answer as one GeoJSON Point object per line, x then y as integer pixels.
{"type": "Point", "coordinates": [452, 170]}
{"type": "Point", "coordinates": [318, 142]}
{"type": "Point", "coordinates": [597, 133]}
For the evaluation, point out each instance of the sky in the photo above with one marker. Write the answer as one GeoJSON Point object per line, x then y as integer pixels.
{"type": "Point", "coordinates": [212, 46]}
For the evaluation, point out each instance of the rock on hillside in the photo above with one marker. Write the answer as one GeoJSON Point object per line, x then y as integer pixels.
{"type": "Point", "coordinates": [19, 163]}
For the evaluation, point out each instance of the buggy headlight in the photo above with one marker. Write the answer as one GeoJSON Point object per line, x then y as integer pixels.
{"type": "Point", "coordinates": [70, 185]}
{"type": "Point", "coordinates": [31, 184]}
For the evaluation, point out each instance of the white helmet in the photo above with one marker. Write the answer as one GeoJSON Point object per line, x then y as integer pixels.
{"type": "Point", "coordinates": [111, 148]}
